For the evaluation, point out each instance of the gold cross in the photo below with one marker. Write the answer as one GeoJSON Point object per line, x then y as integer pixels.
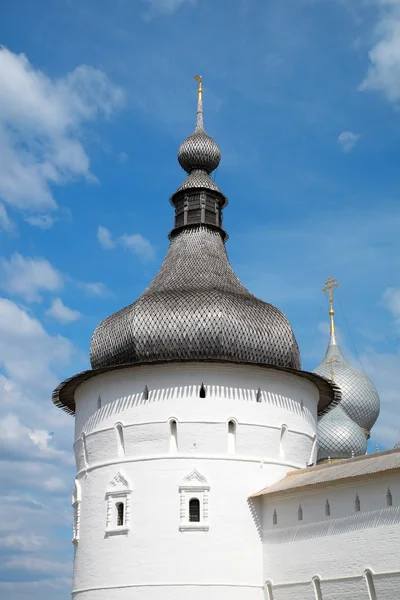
{"type": "Point", "coordinates": [330, 285]}
{"type": "Point", "coordinates": [330, 363]}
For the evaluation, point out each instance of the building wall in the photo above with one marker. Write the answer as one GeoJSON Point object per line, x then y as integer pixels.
{"type": "Point", "coordinates": [156, 558]}
{"type": "Point", "coordinates": [338, 548]}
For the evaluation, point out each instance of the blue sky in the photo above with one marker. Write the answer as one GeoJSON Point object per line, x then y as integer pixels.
{"type": "Point", "coordinates": [303, 98]}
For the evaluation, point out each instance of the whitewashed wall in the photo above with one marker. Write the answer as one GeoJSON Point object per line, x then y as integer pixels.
{"type": "Point", "coordinates": [155, 559]}
{"type": "Point", "coordinates": [338, 548]}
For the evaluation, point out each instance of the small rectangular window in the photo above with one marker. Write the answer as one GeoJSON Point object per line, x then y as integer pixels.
{"type": "Point", "coordinates": [194, 510]}
{"type": "Point", "coordinates": [120, 514]}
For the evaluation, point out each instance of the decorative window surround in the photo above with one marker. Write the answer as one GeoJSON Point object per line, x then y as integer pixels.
{"type": "Point", "coordinates": [194, 486]}
{"type": "Point", "coordinates": [118, 491]}
{"type": "Point", "coordinates": [76, 503]}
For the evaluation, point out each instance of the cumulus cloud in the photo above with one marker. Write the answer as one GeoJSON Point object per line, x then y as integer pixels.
{"type": "Point", "coordinates": [41, 221]}
{"type": "Point", "coordinates": [104, 238]}
{"type": "Point", "coordinates": [61, 313]}
{"type": "Point", "coordinates": [391, 300]}
{"type": "Point", "coordinates": [26, 277]}
{"type": "Point", "coordinates": [6, 223]}
{"type": "Point", "coordinates": [95, 288]}
{"type": "Point", "coordinates": [135, 242]}
{"type": "Point", "coordinates": [41, 121]}
{"type": "Point", "coordinates": [384, 57]}
{"type": "Point", "coordinates": [166, 7]}
{"type": "Point", "coordinates": [347, 140]}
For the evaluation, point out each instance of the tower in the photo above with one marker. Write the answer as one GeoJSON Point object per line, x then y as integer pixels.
{"type": "Point", "coordinates": [195, 399]}
{"type": "Point", "coordinates": [343, 431]}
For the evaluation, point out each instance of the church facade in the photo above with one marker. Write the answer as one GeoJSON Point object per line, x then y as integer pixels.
{"type": "Point", "coordinates": [209, 464]}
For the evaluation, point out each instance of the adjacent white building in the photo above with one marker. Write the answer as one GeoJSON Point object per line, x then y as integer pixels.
{"type": "Point", "coordinates": [195, 402]}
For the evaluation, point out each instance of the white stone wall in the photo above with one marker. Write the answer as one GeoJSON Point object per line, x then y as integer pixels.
{"type": "Point", "coordinates": [158, 557]}
{"type": "Point", "coordinates": [338, 548]}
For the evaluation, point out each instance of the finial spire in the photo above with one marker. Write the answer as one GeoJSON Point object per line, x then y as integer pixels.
{"type": "Point", "coordinates": [199, 121]}
{"type": "Point", "coordinates": [330, 285]}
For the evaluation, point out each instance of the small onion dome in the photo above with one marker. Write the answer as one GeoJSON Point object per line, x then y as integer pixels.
{"type": "Point", "coordinates": [339, 437]}
{"type": "Point", "coordinates": [199, 150]}
{"type": "Point", "coordinates": [360, 399]}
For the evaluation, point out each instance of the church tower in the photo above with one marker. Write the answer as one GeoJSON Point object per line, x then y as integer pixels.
{"type": "Point", "coordinates": [195, 400]}
{"type": "Point", "coordinates": [343, 431]}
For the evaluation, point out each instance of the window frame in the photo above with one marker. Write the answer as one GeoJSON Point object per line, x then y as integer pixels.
{"type": "Point", "coordinates": [194, 487]}
{"type": "Point", "coordinates": [118, 491]}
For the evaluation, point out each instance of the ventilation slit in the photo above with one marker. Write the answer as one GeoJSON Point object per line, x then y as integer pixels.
{"type": "Point", "coordinates": [120, 440]}
{"type": "Point", "coordinates": [202, 393]}
{"type": "Point", "coordinates": [173, 440]}
{"type": "Point", "coordinates": [231, 437]}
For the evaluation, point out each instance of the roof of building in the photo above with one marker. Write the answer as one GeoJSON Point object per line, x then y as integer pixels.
{"type": "Point", "coordinates": [361, 466]}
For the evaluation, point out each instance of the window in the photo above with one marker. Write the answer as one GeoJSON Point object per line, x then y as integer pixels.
{"type": "Point", "coordinates": [173, 440]}
{"type": "Point", "coordinates": [317, 588]}
{"type": "Point", "coordinates": [76, 503]}
{"type": "Point", "coordinates": [313, 453]}
{"type": "Point", "coordinates": [202, 393]}
{"type": "Point", "coordinates": [282, 441]}
{"type": "Point", "coordinates": [259, 395]}
{"type": "Point", "coordinates": [119, 428]}
{"type": "Point", "coordinates": [194, 503]}
{"type": "Point", "coordinates": [118, 505]}
{"type": "Point", "coordinates": [389, 499]}
{"type": "Point", "coordinates": [300, 513]}
{"type": "Point", "coordinates": [84, 448]}
{"type": "Point", "coordinates": [357, 504]}
{"type": "Point", "coordinates": [274, 518]}
{"type": "Point", "coordinates": [120, 513]}
{"type": "Point", "coordinates": [370, 585]}
{"type": "Point", "coordinates": [99, 402]}
{"type": "Point", "coordinates": [146, 393]}
{"type": "Point", "coordinates": [268, 589]}
{"type": "Point", "coordinates": [194, 510]}
{"type": "Point", "coordinates": [231, 437]}
{"type": "Point", "coordinates": [327, 509]}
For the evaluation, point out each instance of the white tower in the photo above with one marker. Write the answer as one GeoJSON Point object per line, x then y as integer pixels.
{"type": "Point", "coordinates": [195, 400]}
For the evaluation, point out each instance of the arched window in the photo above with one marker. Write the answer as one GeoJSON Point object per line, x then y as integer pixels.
{"type": "Point", "coordinates": [146, 393]}
{"type": "Point", "coordinates": [84, 447]}
{"type": "Point", "coordinates": [120, 514]}
{"type": "Point", "coordinates": [173, 440]}
{"type": "Point", "coordinates": [300, 513]}
{"type": "Point", "coordinates": [282, 441]}
{"type": "Point", "coordinates": [194, 510]}
{"type": "Point", "coordinates": [317, 588]}
{"type": "Point", "coordinates": [120, 439]}
{"type": "Point", "coordinates": [327, 508]}
{"type": "Point", "coordinates": [231, 437]}
{"type": "Point", "coordinates": [274, 518]}
{"type": "Point", "coordinates": [202, 393]}
{"type": "Point", "coordinates": [99, 402]}
{"type": "Point", "coordinates": [370, 585]}
{"type": "Point", "coordinates": [313, 452]}
{"type": "Point", "coordinates": [268, 589]}
{"type": "Point", "coordinates": [389, 499]}
{"type": "Point", "coordinates": [357, 504]}
{"type": "Point", "coordinates": [259, 395]}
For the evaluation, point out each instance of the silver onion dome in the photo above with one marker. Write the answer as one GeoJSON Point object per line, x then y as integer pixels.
{"type": "Point", "coordinates": [360, 399]}
{"type": "Point", "coordinates": [199, 151]}
{"type": "Point", "coordinates": [196, 308]}
{"type": "Point", "coordinates": [339, 437]}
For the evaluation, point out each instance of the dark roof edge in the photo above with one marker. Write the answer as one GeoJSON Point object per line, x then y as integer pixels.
{"type": "Point", "coordinates": [64, 395]}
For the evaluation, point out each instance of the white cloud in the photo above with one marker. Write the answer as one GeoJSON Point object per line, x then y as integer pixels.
{"type": "Point", "coordinates": [347, 140]}
{"type": "Point", "coordinates": [26, 543]}
{"type": "Point", "coordinates": [167, 6]}
{"type": "Point", "coordinates": [41, 122]}
{"type": "Point", "coordinates": [6, 223]}
{"type": "Point", "coordinates": [41, 221]}
{"type": "Point", "coordinates": [139, 245]}
{"type": "Point", "coordinates": [135, 242]}
{"type": "Point", "coordinates": [28, 563]}
{"type": "Point", "coordinates": [61, 313]}
{"type": "Point", "coordinates": [391, 300]}
{"type": "Point", "coordinates": [96, 288]}
{"type": "Point", "coordinates": [104, 238]}
{"type": "Point", "coordinates": [26, 277]}
{"type": "Point", "coordinates": [384, 70]}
